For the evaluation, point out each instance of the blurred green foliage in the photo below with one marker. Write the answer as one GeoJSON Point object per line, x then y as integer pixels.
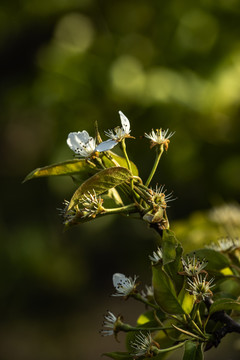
{"type": "Point", "coordinates": [67, 63]}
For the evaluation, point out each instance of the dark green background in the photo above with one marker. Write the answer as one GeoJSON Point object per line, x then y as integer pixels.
{"type": "Point", "coordinates": [65, 64]}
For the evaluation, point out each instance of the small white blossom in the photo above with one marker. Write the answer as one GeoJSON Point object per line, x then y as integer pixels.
{"type": "Point", "coordinates": [149, 292]}
{"type": "Point", "coordinates": [81, 143]}
{"type": "Point", "coordinates": [120, 133]}
{"type": "Point", "coordinates": [157, 256]}
{"type": "Point", "coordinates": [225, 214]}
{"type": "Point", "coordinates": [116, 135]}
{"type": "Point", "coordinates": [193, 266]}
{"type": "Point", "coordinates": [159, 137]}
{"type": "Point", "coordinates": [200, 287]}
{"type": "Point", "coordinates": [225, 245]}
{"type": "Point", "coordinates": [110, 323]}
{"type": "Point", "coordinates": [142, 344]}
{"type": "Point", "coordinates": [124, 285]}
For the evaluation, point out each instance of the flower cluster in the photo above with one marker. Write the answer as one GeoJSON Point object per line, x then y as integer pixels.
{"type": "Point", "coordinates": [193, 266]}
{"type": "Point", "coordinates": [200, 287]}
{"type": "Point", "coordinates": [225, 214]}
{"type": "Point", "coordinates": [142, 345]}
{"type": "Point", "coordinates": [84, 145]}
{"type": "Point", "coordinates": [225, 245]}
{"type": "Point", "coordinates": [169, 302]}
{"type": "Point", "coordinates": [91, 205]}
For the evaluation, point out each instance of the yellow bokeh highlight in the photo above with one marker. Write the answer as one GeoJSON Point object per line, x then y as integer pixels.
{"type": "Point", "coordinates": [127, 76]}
{"type": "Point", "coordinates": [74, 32]}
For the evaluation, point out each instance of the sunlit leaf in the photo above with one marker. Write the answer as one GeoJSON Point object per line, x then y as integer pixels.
{"type": "Point", "coordinates": [121, 161]}
{"type": "Point", "coordinates": [72, 167]}
{"type": "Point", "coordinates": [164, 291]}
{"type": "Point", "coordinates": [116, 198]}
{"type": "Point", "coordinates": [186, 299]}
{"type": "Point", "coordinates": [149, 318]}
{"type": "Point", "coordinates": [101, 182]}
{"type": "Point", "coordinates": [224, 304]}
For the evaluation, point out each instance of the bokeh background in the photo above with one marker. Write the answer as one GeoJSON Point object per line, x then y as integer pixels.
{"type": "Point", "coordinates": [64, 64]}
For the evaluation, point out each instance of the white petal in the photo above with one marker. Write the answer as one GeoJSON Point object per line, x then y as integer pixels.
{"type": "Point", "coordinates": [106, 145]}
{"type": "Point", "coordinates": [84, 136]}
{"type": "Point", "coordinates": [91, 144]}
{"type": "Point", "coordinates": [117, 277]}
{"type": "Point", "coordinates": [125, 122]}
{"type": "Point", "coordinates": [74, 140]}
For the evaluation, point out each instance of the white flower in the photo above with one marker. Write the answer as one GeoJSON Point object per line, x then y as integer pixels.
{"type": "Point", "coordinates": [226, 213]}
{"type": "Point", "coordinates": [142, 344]}
{"type": "Point", "coordinates": [193, 266]}
{"type": "Point", "coordinates": [159, 137]}
{"type": "Point", "coordinates": [120, 132]}
{"type": "Point", "coordinates": [157, 256]}
{"type": "Point", "coordinates": [109, 323]}
{"type": "Point", "coordinates": [149, 292]}
{"type": "Point", "coordinates": [124, 285]}
{"type": "Point", "coordinates": [116, 135]}
{"type": "Point", "coordinates": [200, 287]}
{"type": "Point", "coordinates": [225, 245]}
{"type": "Point", "coordinates": [81, 143]}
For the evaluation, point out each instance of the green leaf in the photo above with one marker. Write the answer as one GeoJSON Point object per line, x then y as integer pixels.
{"type": "Point", "coordinates": [121, 161]}
{"type": "Point", "coordinates": [169, 245]}
{"type": "Point", "coordinates": [149, 317]}
{"type": "Point", "coordinates": [216, 260]}
{"type": "Point", "coordinates": [112, 199]}
{"type": "Point", "coordinates": [119, 355]}
{"type": "Point", "coordinates": [173, 268]}
{"type": "Point", "coordinates": [101, 182]}
{"type": "Point", "coordinates": [224, 304]}
{"type": "Point", "coordinates": [70, 167]}
{"type": "Point", "coordinates": [186, 299]}
{"type": "Point", "coordinates": [193, 351]}
{"type": "Point", "coordinates": [164, 291]}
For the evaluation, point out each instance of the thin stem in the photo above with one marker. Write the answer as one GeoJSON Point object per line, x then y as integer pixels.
{"type": "Point", "coordinates": [125, 154]}
{"type": "Point", "coordinates": [177, 319]}
{"type": "Point", "coordinates": [123, 144]}
{"type": "Point", "coordinates": [143, 300]}
{"type": "Point", "coordinates": [161, 324]}
{"type": "Point", "coordinates": [197, 329]}
{"type": "Point", "coordinates": [131, 208]}
{"type": "Point", "coordinates": [194, 311]}
{"type": "Point", "coordinates": [143, 194]}
{"type": "Point", "coordinates": [155, 165]}
{"type": "Point", "coordinates": [128, 328]}
{"type": "Point", "coordinates": [160, 351]}
{"type": "Point", "coordinates": [199, 318]}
